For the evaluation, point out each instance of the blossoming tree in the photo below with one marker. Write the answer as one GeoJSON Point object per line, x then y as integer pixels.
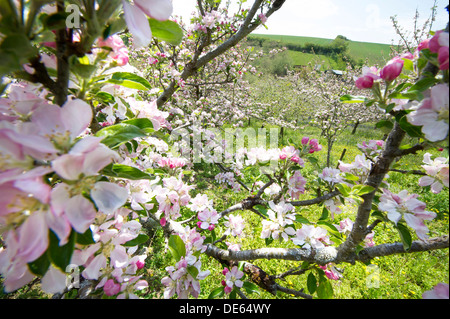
{"type": "Point", "coordinates": [86, 167]}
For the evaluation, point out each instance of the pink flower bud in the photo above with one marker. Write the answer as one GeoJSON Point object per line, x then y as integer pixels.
{"type": "Point", "coordinates": [211, 227]}
{"type": "Point", "coordinates": [111, 288]}
{"type": "Point", "coordinates": [295, 159]}
{"type": "Point", "coordinates": [140, 264]}
{"type": "Point", "coordinates": [392, 70]}
{"type": "Point", "coordinates": [163, 222]}
{"type": "Point", "coordinates": [433, 44]}
{"type": "Point", "coordinates": [305, 140]}
{"type": "Point", "coordinates": [364, 82]}
{"type": "Point", "coordinates": [283, 156]}
{"type": "Point", "coordinates": [225, 271]}
{"type": "Point", "coordinates": [443, 58]}
{"type": "Point", "coordinates": [228, 289]}
{"type": "Point", "coordinates": [423, 45]}
{"type": "Point", "coordinates": [224, 283]}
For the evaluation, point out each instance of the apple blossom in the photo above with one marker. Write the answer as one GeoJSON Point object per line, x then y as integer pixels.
{"type": "Point", "coordinates": [392, 69]}
{"type": "Point", "coordinates": [407, 206]}
{"type": "Point", "coordinates": [136, 17]}
{"type": "Point", "coordinates": [437, 173]}
{"type": "Point", "coordinates": [432, 114]}
{"type": "Point", "coordinates": [366, 81]}
{"type": "Point", "coordinates": [296, 185]}
{"type": "Point", "coordinates": [440, 291]}
{"type": "Point", "coordinates": [310, 236]}
{"type": "Point", "coordinates": [235, 225]}
{"type": "Point", "coordinates": [233, 278]}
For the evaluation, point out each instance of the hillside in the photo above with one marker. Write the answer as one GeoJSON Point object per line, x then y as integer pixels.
{"type": "Point", "coordinates": [375, 53]}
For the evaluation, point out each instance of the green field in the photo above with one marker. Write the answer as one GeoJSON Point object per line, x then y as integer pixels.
{"type": "Point", "coordinates": [375, 53]}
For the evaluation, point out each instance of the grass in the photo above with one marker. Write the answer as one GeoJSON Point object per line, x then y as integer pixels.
{"type": "Point", "coordinates": [375, 53]}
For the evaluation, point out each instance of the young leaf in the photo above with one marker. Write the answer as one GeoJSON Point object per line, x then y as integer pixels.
{"type": "Point", "coordinates": [116, 135]}
{"type": "Point", "coordinates": [217, 293]}
{"type": "Point", "coordinates": [362, 189]}
{"type": "Point", "coordinates": [130, 80]}
{"type": "Point", "coordinates": [325, 290]}
{"type": "Point", "coordinates": [140, 239]}
{"type": "Point", "coordinates": [405, 235]}
{"type": "Point", "coordinates": [251, 287]}
{"type": "Point", "coordinates": [125, 171]}
{"type": "Point", "coordinates": [167, 31]}
{"type": "Point", "coordinates": [86, 238]}
{"type": "Point", "coordinates": [40, 266]}
{"type": "Point", "coordinates": [177, 247]}
{"type": "Point", "coordinates": [311, 283]}
{"type": "Point", "coordinates": [60, 256]}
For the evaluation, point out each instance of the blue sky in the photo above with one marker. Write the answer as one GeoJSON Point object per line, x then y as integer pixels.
{"type": "Point", "coordinates": [358, 20]}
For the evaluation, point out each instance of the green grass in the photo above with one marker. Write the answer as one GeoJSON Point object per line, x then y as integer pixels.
{"type": "Point", "coordinates": [375, 53]}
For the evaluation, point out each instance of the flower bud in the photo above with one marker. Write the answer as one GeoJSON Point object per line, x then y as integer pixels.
{"type": "Point", "coordinates": [392, 70]}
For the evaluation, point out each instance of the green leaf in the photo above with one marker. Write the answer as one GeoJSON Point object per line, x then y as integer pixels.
{"type": "Point", "coordinates": [40, 266]}
{"type": "Point", "coordinates": [344, 189]}
{"type": "Point", "coordinates": [423, 84]}
{"type": "Point", "coordinates": [250, 287]}
{"type": "Point", "coordinates": [177, 247]}
{"type": "Point", "coordinates": [217, 293]}
{"type": "Point", "coordinates": [140, 239]}
{"type": "Point", "coordinates": [362, 189]}
{"type": "Point", "coordinates": [325, 290]}
{"type": "Point", "coordinates": [262, 209]}
{"type": "Point", "coordinates": [348, 98]}
{"type": "Point", "coordinates": [167, 31]}
{"type": "Point", "coordinates": [408, 64]}
{"type": "Point", "coordinates": [60, 256]}
{"type": "Point", "coordinates": [193, 271]}
{"type": "Point", "coordinates": [405, 235]}
{"type": "Point", "coordinates": [411, 130]}
{"type": "Point", "coordinates": [325, 214]}
{"type": "Point", "coordinates": [105, 97]}
{"type": "Point", "coordinates": [330, 228]}
{"type": "Point", "coordinates": [144, 124]}
{"type": "Point", "coordinates": [301, 219]}
{"type": "Point", "coordinates": [86, 238]}
{"type": "Point", "coordinates": [351, 177]}
{"type": "Point", "coordinates": [385, 125]}
{"type": "Point", "coordinates": [125, 171]}
{"type": "Point", "coordinates": [116, 135]}
{"type": "Point", "coordinates": [311, 283]}
{"type": "Point", "coordinates": [130, 80]}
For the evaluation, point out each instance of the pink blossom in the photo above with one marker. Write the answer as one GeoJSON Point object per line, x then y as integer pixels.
{"type": "Point", "coordinates": [310, 236]}
{"type": "Point", "coordinates": [235, 225]}
{"type": "Point", "coordinates": [440, 291]}
{"type": "Point", "coordinates": [296, 185]}
{"type": "Point", "coordinates": [392, 69]}
{"type": "Point", "coordinates": [172, 162]}
{"type": "Point", "coordinates": [331, 272]}
{"type": "Point", "coordinates": [233, 278]}
{"type": "Point", "coordinates": [208, 218]}
{"type": "Point", "coordinates": [136, 17]}
{"type": "Point", "coordinates": [111, 288]}
{"type": "Point", "coordinates": [432, 114]}
{"type": "Point", "coordinates": [437, 173]}
{"type": "Point", "coordinates": [407, 206]}
{"type": "Point", "coordinates": [443, 58]}
{"type": "Point", "coordinates": [369, 76]}
{"type": "Point", "coordinates": [63, 124]}
{"type": "Point", "coordinates": [262, 17]}
{"type": "Point", "coordinates": [119, 50]}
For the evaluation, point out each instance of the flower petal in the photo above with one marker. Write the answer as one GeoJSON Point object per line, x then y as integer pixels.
{"type": "Point", "coordinates": [108, 196]}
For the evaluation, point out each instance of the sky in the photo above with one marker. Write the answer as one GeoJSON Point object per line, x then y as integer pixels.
{"type": "Point", "coordinates": [358, 20]}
